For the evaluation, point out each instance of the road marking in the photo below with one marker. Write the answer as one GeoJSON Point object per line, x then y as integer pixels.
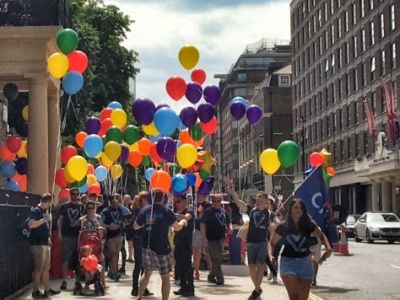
{"type": "Point", "coordinates": [312, 296]}
{"type": "Point", "coordinates": [394, 266]}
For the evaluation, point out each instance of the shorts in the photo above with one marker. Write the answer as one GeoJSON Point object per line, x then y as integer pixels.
{"type": "Point", "coordinates": [41, 257]}
{"type": "Point", "coordinates": [256, 253]}
{"type": "Point", "coordinates": [114, 244]}
{"type": "Point", "coordinates": [197, 239]}
{"type": "Point", "coordinates": [69, 246]}
{"type": "Point", "coordinates": [316, 251]}
{"type": "Point", "coordinates": [300, 267]}
{"type": "Point", "coordinates": [152, 260]}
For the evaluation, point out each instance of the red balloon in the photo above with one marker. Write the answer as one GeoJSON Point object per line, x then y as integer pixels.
{"type": "Point", "coordinates": [161, 180]}
{"type": "Point", "coordinates": [63, 194]}
{"type": "Point", "coordinates": [154, 154]}
{"type": "Point", "coordinates": [210, 127]}
{"type": "Point", "coordinates": [176, 87]}
{"type": "Point", "coordinates": [6, 154]}
{"type": "Point", "coordinates": [67, 152]}
{"type": "Point", "coordinates": [95, 188]}
{"type": "Point", "coordinates": [316, 159]}
{"type": "Point", "coordinates": [60, 179]}
{"type": "Point", "coordinates": [22, 180]}
{"type": "Point", "coordinates": [199, 76]}
{"type": "Point", "coordinates": [135, 158]}
{"type": "Point", "coordinates": [90, 263]}
{"type": "Point", "coordinates": [331, 171]}
{"type": "Point", "coordinates": [78, 61]}
{"type": "Point", "coordinates": [105, 125]}
{"type": "Point", "coordinates": [14, 143]}
{"type": "Point", "coordinates": [105, 113]}
{"type": "Point", "coordinates": [90, 169]}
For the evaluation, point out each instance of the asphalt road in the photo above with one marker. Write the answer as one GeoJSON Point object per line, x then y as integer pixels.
{"type": "Point", "coordinates": [372, 271]}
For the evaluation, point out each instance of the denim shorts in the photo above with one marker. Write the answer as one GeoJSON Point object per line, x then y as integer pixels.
{"type": "Point", "coordinates": [300, 267]}
{"type": "Point", "coordinates": [256, 253]}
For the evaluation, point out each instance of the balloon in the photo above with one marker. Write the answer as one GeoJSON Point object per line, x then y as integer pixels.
{"type": "Point", "coordinates": [194, 92]}
{"type": "Point", "coordinates": [22, 181]}
{"type": "Point", "coordinates": [179, 183]}
{"type": "Point", "coordinates": [105, 113]}
{"type": "Point", "coordinates": [150, 129]}
{"type": "Point", "coordinates": [7, 169]}
{"type": "Point", "coordinates": [14, 143]}
{"type": "Point", "coordinates": [101, 173]}
{"type": "Point", "coordinates": [204, 174]}
{"type": "Point", "coordinates": [90, 169]}
{"type": "Point", "coordinates": [72, 82]}
{"type": "Point", "coordinates": [331, 171]}
{"type": "Point", "coordinates": [188, 57]}
{"type": "Point", "coordinates": [57, 65]}
{"type": "Point", "coordinates": [6, 154]}
{"type": "Point", "coordinates": [135, 158]}
{"type": "Point", "coordinates": [83, 188]}
{"type": "Point", "coordinates": [115, 105]}
{"type": "Point", "coordinates": [196, 133]}
{"type": "Point", "coordinates": [131, 134]}
{"type": "Point", "coordinates": [148, 173]}
{"type": "Point", "coordinates": [146, 161]}
{"type": "Point", "coordinates": [208, 160]}
{"type": "Point", "coordinates": [191, 178]}
{"type": "Point", "coordinates": [116, 171]}
{"type": "Point", "coordinates": [80, 138]}
{"type": "Point", "coordinates": [67, 40]}
{"type": "Point", "coordinates": [90, 263]}
{"type": "Point", "coordinates": [327, 178]}
{"type": "Point", "coordinates": [154, 154]}
{"type": "Point", "coordinates": [10, 91]}
{"type": "Point", "coordinates": [12, 186]}
{"type": "Point", "coordinates": [78, 61]}
{"type": "Point", "coordinates": [316, 159]}
{"type": "Point", "coordinates": [269, 161]}
{"type": "Point", "coordinates": [186, 155]}
{"type": "Point", "coordinates": [205, 186]}
{"type": "Point", "coordinates": [124, 153]}
{"type": "Point", "coordinates": [21, 165]}
{"type": "Point", "coordinates": [254, 114]}
{"type": "Point", "coordinates": [119, 118]}
{"type": "Point", "coordinates": [173, 169]}
{"type": "Point", "coordinates": [67, 176]}
{"type": "Point", "coordinates": [212, 94]}
{"type": "Point", "coordinates": [77, 167]}
{"type": "Point", "coordinates": [245, 102]}
{"type": "Point", "coordinates": [112, 150]}
{"type": "Point", "coordinates": [22, 152]}
{"type": "Point", "coordinates": [210, 127]}
{"type": "Point", "coordinates": [67, 152]}
{"type": "Point", "coordinates": [238, 110]}
{"type": "Point", "coordinates": [105, 125]}
{"type": "Point", "coordinates": [166, 121]}
{"type": "Point", "coordinates": [176, 87]}
{"type": "Point", "coordinates": [288, 153]}
{"type": "Point", "coordinates": [134, 147]}
{"type": "Point", "coordinates": [143, 111]}
{"type": "Point", "coordinates": [327, 156]}
{"type": "Point", "coordinates": [64, 194]}
{"type": "Point", "coordinates": [144, 146]}
{"type": "Point", "coordinates": [93, 145]}
{"type": "Point", "coordinates": [189, 116]}
{"type": "Point", "coordinates": [94, 189]}
{"type": "Point", "coordinates": [199, 76]}
{"type": "Point", "coordinates": [60, 179]}
{"type": "Point", "coordinates": [114, 133]}
{"type": "Point", "coordinates": [161, 180]}
{"type": "Point", "coordinates": [105, 161]}
{"type": "Point", "coordinates": [166, 148]}
{"type": "Point", "coordinates": [25, 112]}
{"type": "Point", "coordinates": [206, 112]}
{"type": "Point", "coordinates": [92, 125]}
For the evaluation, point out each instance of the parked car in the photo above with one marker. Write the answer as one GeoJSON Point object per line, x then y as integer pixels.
{"type": "Point", "coordinates": [350, 225]}
{"type": "Point", "coordinates": [373, 226]}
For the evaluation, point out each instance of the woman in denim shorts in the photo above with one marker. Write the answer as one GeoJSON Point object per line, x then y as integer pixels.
{"type": "Point", "coordinates": [295, 266]}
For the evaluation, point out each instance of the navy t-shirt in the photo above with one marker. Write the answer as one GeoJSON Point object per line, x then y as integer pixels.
{"type": "Point", "coordinates": [185, 235]}
{"type": "Point", "coordinates": [201, 208]}
{"type": "Point", "coordinates": [156, 224]}
{"type": "Point", "coordinates": [216, 221]}
{"type": "Point", "coordinates": [111, 215]}
{"type": "Point", "coordinates": [297, 243]}
{"type": "Point", "coordinates": [39, 235]}
{"type": "Point", "coordinates": [258, 226]}
{"type": "Point", "coordinates": [71, 212]}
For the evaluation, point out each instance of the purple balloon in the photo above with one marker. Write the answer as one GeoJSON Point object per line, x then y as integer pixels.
{"type": "Point", "coordinates": [206, 186]}
{"type": "Point", "coordinates": [206, 112]}
{"type": "Point", "coordinates": [162, 105]}
{"type": "Point", "coordinates": [189, 116]}
{"type": "Point", "coordinates": [254, 113]}
{"type": "Point", "coordinates": [143, 111]}
{"type": "Point", "coordinates": [166, 148]}
{"type": "Point", "coordinates": [124, 153]}
{"type": "Point", "coordinates": [238, 109]}
{"type": "Point", "coordinates": [92, 125]}
{"type": "Point", "coordinates": [194, 92]}
{"type": "Point", "coordinates": [212, 94]}
{"type": "Point", "coordinates": [21, 165]}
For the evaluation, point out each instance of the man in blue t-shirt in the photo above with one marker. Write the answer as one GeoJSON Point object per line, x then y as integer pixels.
{"type": "Point", "coordinates": [156, 249]}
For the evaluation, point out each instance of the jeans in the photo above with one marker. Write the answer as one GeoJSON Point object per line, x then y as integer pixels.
{"type": "Point", "coordinates": [123, 253]}
{"type": "Point", "coordinates": [215, 251]}
{"type": "Point", "coordinates": [137, 246]}
{"type": "Point", "coordinates": [235, 244]}
{"type": "Point", "coordinates": [183, 265]}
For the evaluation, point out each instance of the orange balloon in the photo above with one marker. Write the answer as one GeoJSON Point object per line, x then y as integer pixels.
{"type": "Point", "coordinates": [154, 154]}
{"type": "Point", "coordinates": [199, 143]}
{"type": "Point", "coordinates": [185, 137]}
{"type": "Point", "coordinates": [331, 171]}
{"type": "Point", "coordinates": [198, 180]}
{"type": "Point", "coordinates": [161, 180]}
{"type": "Point", "coordinates": [144, 146]}
{"type": "Point", "coordinates": [135, 158]}
{"type": "Point", "coordinates": [80, 138]}
{"type": "Point", "coordinates": [22, 180]}
{"type": "Point", "coordinates": [6, 154]}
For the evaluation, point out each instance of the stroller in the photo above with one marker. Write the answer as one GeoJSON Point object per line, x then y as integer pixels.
{"type": "Point", "coordinates": [93, 239]}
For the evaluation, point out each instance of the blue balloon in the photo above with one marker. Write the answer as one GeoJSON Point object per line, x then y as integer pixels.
{"type": "Point", "coordinates": [181, 126]}
{"type": "Point", "coordinates": [154, 139]}
{"type": "Point", "coordinates": [179, 183]}
{"type": "Point", "coordinates": [72, 82]}
{"type": "Point", "coordinates": [148, 173]}
{"type": "Point", "coordinates": [242, 100]}
{"type": "Point", "coordinates": [12, 186]}
{"type": "Point", "coordinates": [101, 173]}
{"type": "Point", "coordinates": [191, 178]}
{"type": "Point", "coordinates": [166, 121]}
{"type": "Point", "coordinates": [92, 145]}
{"type": "Point", "coordinates": [7, 169]}
{"type": "Point", "coordinates": [83, 188]}
{"type": "Point", "coordinates": [114, 105]}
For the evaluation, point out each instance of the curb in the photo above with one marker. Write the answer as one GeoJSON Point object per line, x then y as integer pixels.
{"type": "Point", "coordinates": [19, 293]}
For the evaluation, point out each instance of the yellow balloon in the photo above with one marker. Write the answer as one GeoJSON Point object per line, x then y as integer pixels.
{"type": "Point", "coordinates": [208, 161]}
{"type": "Point", "coordinates": [186, 155]}
{"type": "Point", "coordinates": [188, 57]}
{"type": "Point", "coordinates": [105, 161]}
{"type": "Point", "coordinates": [269, 161]}
{"type": "Point", "coordinates": [112, 150]}
{"type": "Point", "coordinates": [22, 152]}
{"type": "Point", "coordinates": [77, 167]}
{"type": "Point", "coordinates": [150, 129]}
{"type": "Point", "coordinates": [25, 112]}
{"type": "Point", "coordinates": [327, 157]}
{"type": "Point", "coordinates": [67, 176]}
{"type": "Point", "coordinates": [118, 117]}
{"type": "Point", "coordinates": [57, 64]}
{"type": "Point", "coordinates": [116, 171]}
{"type": "Point", "coordinates": [134, 147]}
{"type": "Point", "coordinates": [91, 180]}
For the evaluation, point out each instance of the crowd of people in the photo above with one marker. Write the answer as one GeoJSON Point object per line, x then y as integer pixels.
{"type": "Point", "coordinates": [199, 228]}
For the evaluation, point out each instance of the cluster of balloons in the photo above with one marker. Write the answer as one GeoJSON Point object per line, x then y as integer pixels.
{"type": "Point", "coordinates": [69, 63]}
{"type": "Point", "coordinates": [240, 107]}
{"type": "Point", "coordinates": [286, 156]}
{"type": "Point", "coordinates": [15, 165]}
{"type": "Point", "coordinates": [324, 159]}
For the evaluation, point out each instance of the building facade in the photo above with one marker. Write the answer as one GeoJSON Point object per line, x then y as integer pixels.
{"type": "Point", "coordinates": [343, 52]}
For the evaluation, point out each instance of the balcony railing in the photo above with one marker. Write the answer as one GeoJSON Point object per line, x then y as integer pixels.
{"type": "Point", "coordinates": [35, 13]}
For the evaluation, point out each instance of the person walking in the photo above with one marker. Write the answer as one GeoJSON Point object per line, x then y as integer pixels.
{"type": "Point", "coordinates": [274, 221]}
{"type": "Point", "coordinates": [295, 266]}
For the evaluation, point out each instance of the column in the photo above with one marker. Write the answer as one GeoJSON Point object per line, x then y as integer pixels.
{"type": "Point", "coordinates": [376, 192]}
{"type": "Point", "coordinates": [386, 196]}
{"type": "Point", "coordinates": [38, 147]}
{"type": "Point", "coordinates": [394, 197]}
{"type": "Point", "coordinates": [54, 135]}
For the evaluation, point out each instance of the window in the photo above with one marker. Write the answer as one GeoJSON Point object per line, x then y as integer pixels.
{"type": "Point", "coordinates": [358, 148]}
{"type": "Point", "coordinates": [382, 18]}
{"type": "Point", "coordinates": [392, 18]}
{"type": "Point", "coordinates": [326, 40]}
{"type": "Point", "coordinates": [349, 148]}
{"type": "Point", "coordinates": [354, 10]}
{"type": "Point", "coordinates": [327, 119]}
{"type": "Point", "coordinates": [363, 46]}
{"type": "Point", "coordinates": [320, 18]}
{"type": "Point", "coordinates": [355, 46]}
{"type": "Point", "coordinates": [346, 20]}
{"type": "Point", "coordinates": [242, 77]}
{"type": "Point", "coordinates": [326, 11]}
{"type": "Point", "coordinates": [339, 23]}
{"type": "Point", "coordinates": [342, 150]}
{"type": "Point", "coordinates": [332, 34]}
{"type": "Point", "coordinates": [340, 60]}
{"type": "Point", "coordinates": [355, 112]}
{"type": "Point", "coordinates": [347, 53]}
{"type": "Point", "coordinates": [321, 128]}
{"type": "Point", "coordinates": [332, 7]}
{"type": "Point", "coordinates": [284, 80]}
{"type": "Point", "coordinates": [372, 33]}
{"type": "Point", "coordinates": [371, 4]}
{"type": "Point", "coordinates": [363, 73]}
{"type": "Point", "coordinates": [394, 55]}
{"type": "Point", "coordinates": [239, 92]}
{"type": "Point", "coordinates": [335, 122]}
{"type": "Point", "coordinates": [373, 68]}
{"type": "Point", "coordinates": [347, 84]}
{"type": "Point", "coordinates": [355, 79]}
{"type": "Point", "coordinates": [362, 8]}
{"type": "Point", "coordinates": [383, 100]}
{"type": "Point", "coordinates": [341, 119]}
{"type": "Point", "coordinates": [373, 102]}
{"type": "Point", "coordinates": [333, 62]}
{"type": "Point", "coordinates": [383, 62]}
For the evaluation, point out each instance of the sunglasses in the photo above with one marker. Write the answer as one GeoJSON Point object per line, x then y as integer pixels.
{"type": "Point", "coordinates": [75, 194]}
{"type": "Point", "coordinates": [215, 201]}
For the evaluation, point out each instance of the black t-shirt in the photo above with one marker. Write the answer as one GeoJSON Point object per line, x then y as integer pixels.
{"type": "Point", "coordinates": [185, 235]}
{"type": "Point", "coordinates": [111, 215]}
{"type": "Point", "coordinates": [201, 208]}
{"type": "Point", "coordinates": [297, 243]}
{"type": "Point", "coordinates": [39, 235]}
{"type": "Point", "coordinates": [258, 226]}
{"type": "Point", "coordinates": [236, 217]}
{"type": "Point", "coordinates": [100, 208]}
{"type": "Point", "coordinates": [216, 221]}
{"type": "Point", "coordinates": [156, 227]}
{"type": "Point", "coordinates": [139, 232]}
{"type": "Point", "coordinates": [71, 212]}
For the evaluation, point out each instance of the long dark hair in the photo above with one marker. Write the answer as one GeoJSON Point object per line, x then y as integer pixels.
{"type": "Point", "coordinates": [304, 221]}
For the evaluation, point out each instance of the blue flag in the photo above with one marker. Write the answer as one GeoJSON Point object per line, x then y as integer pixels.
{"type": "Point", "coordinates": [314, 194]}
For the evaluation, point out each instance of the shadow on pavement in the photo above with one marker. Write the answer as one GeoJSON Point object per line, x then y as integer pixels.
{"type": "Point", "coordinates": [332, 290]}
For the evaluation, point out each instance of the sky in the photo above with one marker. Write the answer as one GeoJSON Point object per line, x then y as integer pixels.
{"type": "Point", "coordinates": [219, 29]}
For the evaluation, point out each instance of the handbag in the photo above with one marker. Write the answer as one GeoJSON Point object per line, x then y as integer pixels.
{"type": "Point", "coordinates": [243, 231]}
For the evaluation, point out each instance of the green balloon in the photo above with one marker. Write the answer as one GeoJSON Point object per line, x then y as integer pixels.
{"type": "Point", "coordinates": [131, 134]}
{"type": "Point", "coordinates": [67, 40]}
{"type": "Point", "coordinates": [174, 169]}
{"type": "Point", "coordinates": [204, 174]}
{"type": "Point", "coordinates": [114, 133]}
{"type": "Point", "coordinates": [196, 132]}
{"type": "Point", "coordinates": [146, 161]}
{"type": "Point", "coordinates": [327, 178]}
{"type": "Point", "coordinates": [288, 153]}
{"type": "Point", "coordinates": [79, 183]}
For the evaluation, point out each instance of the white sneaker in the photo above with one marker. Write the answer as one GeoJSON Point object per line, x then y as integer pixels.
{"type": "Point", "coordinates": [269, 277]}
{"type": "Point", "coordinates": [274, 279]}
